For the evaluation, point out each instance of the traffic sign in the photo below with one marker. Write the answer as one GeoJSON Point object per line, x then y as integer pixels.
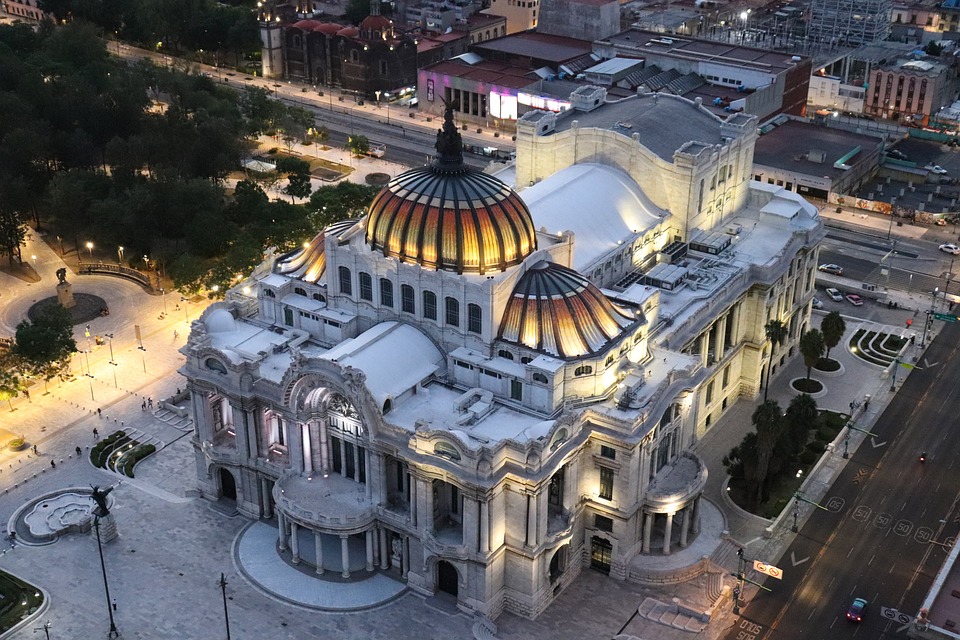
{"type": "Point", "coordinates": [769, 569]}
{"type": "Point", "coordinates": [892, 614]}
{"type": "Point", "coordinates": [946, 317]}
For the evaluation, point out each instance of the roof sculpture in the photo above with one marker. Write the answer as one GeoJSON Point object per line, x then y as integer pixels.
{"type": "Point", "coordinates": [309, 262]}
{"type": "Point", "coordinates": [450, 217]}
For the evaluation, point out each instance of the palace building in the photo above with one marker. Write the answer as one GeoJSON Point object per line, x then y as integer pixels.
{"type": "Point", "coordinates": [490, 383]}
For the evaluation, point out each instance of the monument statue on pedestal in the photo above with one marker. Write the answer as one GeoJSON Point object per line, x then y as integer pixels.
{"type": "Point", "coordinates": [64, 290]}
{"type": "Point", "coordinates": [108, 526]}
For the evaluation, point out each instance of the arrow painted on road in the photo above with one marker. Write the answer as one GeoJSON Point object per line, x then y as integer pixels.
{"type": "Point", "coordinates": [929, 364]}
{"type": "Point", "coordinates": [861, 474]}
{"type": "Point", "coordinates": [793, 559]}
{"type": "Point", "coordinates": [876, 444]}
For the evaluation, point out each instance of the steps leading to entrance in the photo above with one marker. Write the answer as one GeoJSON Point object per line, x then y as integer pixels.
{"type": "Point", "coordinates": [669, 615]}
{"type": "Point", "coordinates": [725, 555]}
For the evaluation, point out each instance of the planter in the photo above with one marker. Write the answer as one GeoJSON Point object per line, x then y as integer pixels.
{"type": "Point", "coordinates": [807, 386]}
{"type": "Point", "coordinates": [839, 371]}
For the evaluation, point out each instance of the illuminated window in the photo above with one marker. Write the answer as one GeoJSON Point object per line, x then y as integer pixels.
{"type": "Point", "coordinates": [606, 483]}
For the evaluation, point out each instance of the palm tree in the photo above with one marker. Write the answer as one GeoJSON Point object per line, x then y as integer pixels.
{"type": "Point", "coordinates": [811, 346]}
{"type": "Point", "coordinates": [832, 327]}
{"type": "Point", "coordinates": [801, 417]}
{"type": "Point", "coordinates": [776, 332]}
{"type": "Point", "coordinates": [768, 421]}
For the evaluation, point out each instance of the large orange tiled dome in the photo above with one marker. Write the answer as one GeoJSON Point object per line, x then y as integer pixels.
{"type": "Point", "coordinates": [450, 217]}
{"type": "Point", "coordinates": [557, 311]}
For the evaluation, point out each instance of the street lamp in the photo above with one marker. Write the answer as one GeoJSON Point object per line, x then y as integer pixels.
{"type": "Point", "coordinates": [101, 512]}
{"type": "Point", "coordinates": [45, 628]}
{"type": "Point", "coordinates": [163, 294]}
{"type": "Point", "coordinates": [226, 616]}
{"type": "Point", "coordinates": [186, 314]}
{"type": "Point", "coordinates": [796, 514]}
{"type": "Point", "coordinates": [109, 337]}
{"type": "Point", "coordinates": [90, 249]}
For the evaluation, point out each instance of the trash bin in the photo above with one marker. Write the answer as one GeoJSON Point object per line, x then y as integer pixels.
{"type": "Point", "coordinates": [839, 209]}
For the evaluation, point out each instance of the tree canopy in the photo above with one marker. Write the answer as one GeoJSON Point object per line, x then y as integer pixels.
{"type": "Point", "coordinates": [44, 346]}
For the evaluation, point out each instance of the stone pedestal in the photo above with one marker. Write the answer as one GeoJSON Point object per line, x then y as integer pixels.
{"type": "Point", "coordinates": [65, 294]}
{"type": "Point", "coordinates": [108, 529]}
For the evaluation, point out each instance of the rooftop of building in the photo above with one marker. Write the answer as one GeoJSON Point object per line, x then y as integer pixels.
{"type": "Point", "coordinates": [655, 118]}
{"type": "Point", "coordinates": [498, 74]}
{"type": "Point", "coordinates": [537, 46]}
{"type": "Point", "coordinates": [645, 43]}
{"type": "Point", "coordinates": [788, 146]}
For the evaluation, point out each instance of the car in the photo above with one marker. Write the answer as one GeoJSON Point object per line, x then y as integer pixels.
{"type": "Point", "coordinates": [950, 248]}
{"type": "Point", "coordinates": [835, 269]}
{"type": "Point", "coordinates": [817, 303]}
{"type": "Point", "coordinates": [937, 169]}
{"type": "Point", "coordinates": [855, 300]}
{"type": "Point", "coordinates": [834, 295]}
{"type": "Point", "coordinates": [855, 612]}
{"type": "Point", "coordinates": [896, 153]}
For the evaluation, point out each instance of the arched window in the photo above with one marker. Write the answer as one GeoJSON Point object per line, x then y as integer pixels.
{"type": "Point", "coordinates": [354, 56]}
{"type": "Point", "coordinates": [406, 299]}
{"type": "Point", "coordinates": [474, 317]}
{"type": "Point", "coordinates": [608, 362]}
{"type": "Point", "coordinates": [383, 68]}
{"type": "Point", "coordinates": [296, 41]}
{"type": "Point", "coordinates": [558, 439]}
{"type": "Point", "coordinates": [215, 365]}
{"type": "Point", "coordinates": [268, 293]}
{"type": "Point", "coordinates": [346, 286]}
{"type": "Point", "coordinates": [319, 298]}
{"type": "Point", "coordinates": [453, 312]}
{"type": "Point", "coordinates": [503, 353]}
{"type": "Point", "coordinates": [525, 359]}
{"type": "Point", "coordinates": [366, 286]}
{"type": "Point", "coordinates": [300, 291]}
{"type": "Point", "coordinates": [584, 370]}
{"type": "Point", "coordinates": [429, 305]}
{"type": "Point", "coordinates": [446, 450]}
{"type": "Point", "coordinates": [386, 292]}
{"type": "Point", "coordinates": [387, 406]}
{"type": "Point", "coordinates": [539, 377]}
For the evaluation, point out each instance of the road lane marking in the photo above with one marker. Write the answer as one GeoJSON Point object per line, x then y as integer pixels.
{"type": "Point", "coordinates": [794, 561]}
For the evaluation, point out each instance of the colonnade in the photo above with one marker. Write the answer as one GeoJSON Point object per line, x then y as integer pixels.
{"type": "Point", "coordinates": [690, 523]}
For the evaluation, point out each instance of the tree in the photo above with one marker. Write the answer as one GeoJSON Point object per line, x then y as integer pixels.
{"type": "Point", "coordinates": [812, 347]}
{"type": "Point", "coordinates": [331, 204]}
{"type": "Point", "coordinates": [832, 327]}
{"type": "Point", "coordinates": [298, 186]}
{"type": "Point", "coordinates": [45, 344]}
{"type": "Point", "coordinates": [768, 421]}
{"type": "Point", "coordinates": [801, 416]}
{"type": "Point", "coordinates": [776, 333]}
{"type": "Point", "coordinates": [359, 145]}
{"type": "Point", "coordinates": [10, 382]}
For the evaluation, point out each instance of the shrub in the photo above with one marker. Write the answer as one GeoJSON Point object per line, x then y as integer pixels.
{"type": "Point", "coordinates": [808, 457]}
{"type": "Point", "coordinates": [17, 443]}
{"type": "Point", "coordinates": [816, 446]}
{"type": "Point", "coordinates": [827, 364]}
{"type": "Point", "coordinates": [135, 456]}
{"type": "Point", "coordinates": [826, 434]}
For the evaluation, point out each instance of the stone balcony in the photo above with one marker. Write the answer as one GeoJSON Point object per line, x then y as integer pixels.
{"type": "Point", "coordinates": [677, 484]}
{"type": "Point", "coordinates": [333, 504]}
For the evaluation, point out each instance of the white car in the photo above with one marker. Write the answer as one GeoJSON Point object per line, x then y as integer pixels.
{"type": "Point", "coordinates": [834, 295]}
{"type": "Point", "coordinates": [817, 303]}
{"type": "Point", "coordinates": [937, 169]}
{"type": "Point", "coordinates": [950, 248]}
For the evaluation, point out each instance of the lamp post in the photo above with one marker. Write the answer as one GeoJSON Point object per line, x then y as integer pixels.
{"type": "Point", "coordinates": [796, 514]}
{"type": "Point", "coordinates": [846, 445]}
{"type": "Point", "coordinates": [929, 320]}
{"type": "Point", "coordinates": [226, 616]}
{"type": "Point", "coordinates": [186, 316]}
{"type": "Point", "coordinates": [45, 628]}
{"type": "Point", "coordinates": [109, 337]}
{"type": "Point", "coordinates": [113, 633]}
{"type": "Point", "coordinates": [90, 249]}
{"type": "Point", "coordinates": [163, 295]}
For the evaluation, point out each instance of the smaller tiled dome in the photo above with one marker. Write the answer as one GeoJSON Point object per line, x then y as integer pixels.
{"type": "Point", "coordinates": [348, 32]}
{"type": "Point", "coordinates": [329, 28]}
{"type": "Point", "coordinates": [310, 262]}
{"type": "Point", "coordinates": [557, 311]}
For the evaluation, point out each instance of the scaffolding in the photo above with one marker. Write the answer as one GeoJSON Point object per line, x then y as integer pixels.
{"type": "Point", "coordinates": [849, 23]}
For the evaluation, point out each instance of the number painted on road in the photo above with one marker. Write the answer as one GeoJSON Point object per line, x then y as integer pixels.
{"type": "Point", "coordinates": [882, 520]}
{"type": "Point", "coordinates": [903, 527]}
{"type": "Point", "coordinates": [923, 535]}
{"type": "Point", "coordinates": [835, 504]}
{"type": "Point", "coordinates": [748, 630]}
{"type": "Point", "coordinates": [862, 513]}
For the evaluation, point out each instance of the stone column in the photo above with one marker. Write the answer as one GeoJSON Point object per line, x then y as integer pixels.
{"type": "Point", "coordinates": [282, 528]}
{"type": "Point", "coordinates": [343, 457]}
{"type": "Point", "coordinates": [266, 497]}
{"type": "Point", "coordinates": [369, 535]}
{"type": "Point", "coordinates": [704, 347]}
{"type": "Point", "coordinates": [570, 479]}
{"type": "Point", "coordinates": [531, 520]}
{"type": "Point", "coordinates": [324, 448]}
{"type": "Point", "coordinates": [239, 429]}
{"type": "Point", "coordinates": [295, 446]}
{"type": "Point", "coordinates": [412, 488]}
{"type": "Point", "coordinates": [384, 551]}
{"type": "Point", "coordinates": [318, 548]}
{"type": "Point", "coordinates": [647, 528]}
{"type": "Point", "coordinates": [345, 554]}
{"type": "Point", "coordinates": [543, 511]}
{"type": "Point", "coordinates": [721, 336]}
{"type": "Point", "coordinates": [295, 542]}
{"type": "Point", "coordinates": [470, 529]}
{"type": "Point", "coordinates": [667, 534]}
{"type": "Point", "coordinates": [405, 557]}
{"type": "Point", "coordinates": [686, 525]}
{"type": "Point", "coordinates": [367, 459]}
{"type": "Point", "coordinates": [696, 514]}
{"type": "Point", "coordinates": [316, 461]}
{"type": "Point", "coordinates": [484, 527]}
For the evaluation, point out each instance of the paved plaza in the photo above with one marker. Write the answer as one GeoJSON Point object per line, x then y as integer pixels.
{"type": "Point", "coordinates": [172, 548]}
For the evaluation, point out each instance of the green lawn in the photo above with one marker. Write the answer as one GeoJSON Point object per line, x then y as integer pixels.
{"type": "Point", "coordinates": [17, 600]}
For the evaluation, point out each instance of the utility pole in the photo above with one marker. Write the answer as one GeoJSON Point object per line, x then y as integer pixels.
{"type": "Point", "coordinates": [929, 321]}
{"type": "Point", "coordinates": [226, 616]}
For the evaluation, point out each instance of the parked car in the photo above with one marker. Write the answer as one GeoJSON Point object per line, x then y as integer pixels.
{"type": "Point", "coordinates": [817, 303]}
{"type": "Point", "coordinates": [855, 612]}
{"type": "Point", "coordinates": [834, 295]}
{"type": "Point", "coordinates": [896, 153]}
{"type": "Point", "coordinates": [835, 269]}
{"type": "Point", "coordinates": [937, 169]}
{"type": "Point", "coordinates": [950, 248]}
{"type": "Point", "coordinates": [855, 300]}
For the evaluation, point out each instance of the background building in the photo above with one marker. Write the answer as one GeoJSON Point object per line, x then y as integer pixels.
{"type": "Point", "coordinates": [849, 23]}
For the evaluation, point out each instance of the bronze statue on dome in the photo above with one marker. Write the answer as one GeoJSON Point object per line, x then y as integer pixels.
{"type": "Point", "coordinates": [449, 143]}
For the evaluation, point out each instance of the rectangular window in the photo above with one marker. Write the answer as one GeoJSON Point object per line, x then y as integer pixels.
{"type": "Point", "coordinates": [288, 316]}
{"type": "Point", "coordinates": [406, 298]}
{"type": "Point", "coordinates": [473, 318]}
{"type": "Point", "coordinates": [516, 390]}
{"type": "Point", "coordinates": [709, 398]}
{"type": "Point", "coordinates": [429, 305]}
{"type": "Point", "coordinates": [603, 523]}
{"type": "Point", "coordinates": [726, 376]}
{"type": "Point", "coordinates": [606, 483]}
{"type": "Point", "coordinates": [608, 452]}
{"type": "Point", "coordinates": [386, 292]}
{"type": "Point", "coordinates": [366, 286]}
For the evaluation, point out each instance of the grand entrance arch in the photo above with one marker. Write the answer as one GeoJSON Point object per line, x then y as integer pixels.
{"type": "Point", "coordinates": [228, 486]}
{"type": "Point", "coordinates": [447, 579]}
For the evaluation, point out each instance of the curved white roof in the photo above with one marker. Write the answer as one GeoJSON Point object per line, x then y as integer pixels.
{"type": "Point", "coordinates": [598, 203]}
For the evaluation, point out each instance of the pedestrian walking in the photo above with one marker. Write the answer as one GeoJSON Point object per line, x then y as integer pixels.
{"type": "Point", "coordinates": [143, 406]}
{"type": "Point", "coordinates": [176, 334]}
{"type": "Point", "coordinates": [36, 451]}
{"type": "Point", "coordinates": [114, 603]}
{"type": "Point", "coordinates": [150, 403]}
{"type": "Point", "coordinates": [99, 412]}
{"type": "Point", "coordinates": [96, 434]}
{"type": "Point", "coordinates": [79, 451]}
{"type": "Point", "coordinates": [53, 464]}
